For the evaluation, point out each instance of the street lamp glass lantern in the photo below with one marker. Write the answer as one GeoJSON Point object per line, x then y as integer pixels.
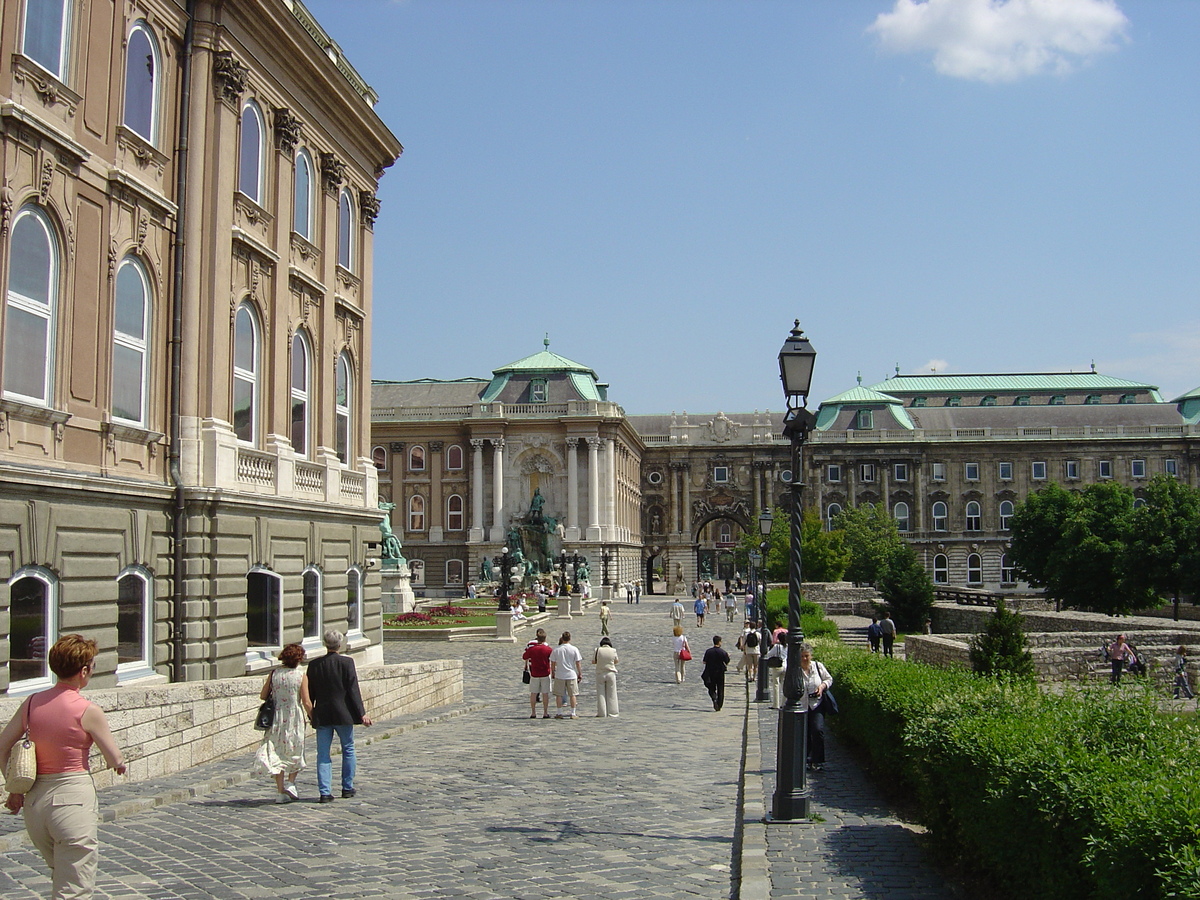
{"type": "Point", "coordinates": [796, 361]}
{"type": "Point", "coordinates": [765, 520]}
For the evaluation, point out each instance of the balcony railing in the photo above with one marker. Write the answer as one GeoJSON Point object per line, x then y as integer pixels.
{"type": "Point", "coordinates": [255, 467]}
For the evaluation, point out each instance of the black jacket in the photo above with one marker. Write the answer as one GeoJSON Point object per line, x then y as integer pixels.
{"type": "Point", "coordinates": [333, 689]}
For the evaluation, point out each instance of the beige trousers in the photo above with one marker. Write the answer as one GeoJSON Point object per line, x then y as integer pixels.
{"type": "Point", "coordinates": [61, 816]}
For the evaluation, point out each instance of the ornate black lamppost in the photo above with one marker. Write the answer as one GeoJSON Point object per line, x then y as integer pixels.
{"type": "Point", "coordinates": [576, 562]}
{"type": "Point", "coordinates": [790, 801]}
{"type": "Point", "coordinates": [506, 568]}
{"type": "Point", "coordinates": [563, 589]}
{"type": "Point", "coordinates": [605, 559]}
{"type": "Point", "coordinates": [758, 565]}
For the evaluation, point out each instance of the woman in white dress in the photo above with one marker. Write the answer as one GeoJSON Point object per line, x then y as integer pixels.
{"type": "Point", "coordinates": [282, 751]}
{"type": "Point", "coordinates": [680, 644]}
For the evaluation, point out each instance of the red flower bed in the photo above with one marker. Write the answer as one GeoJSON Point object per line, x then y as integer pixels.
{"type": "Point", "coordinates": [412, 618]}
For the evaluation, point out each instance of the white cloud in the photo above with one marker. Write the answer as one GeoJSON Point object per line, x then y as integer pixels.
{"type": "Point", "coordinates": [934, 365]}
{"type": "Point", "coordinates": [1170, 359]}
{"type": "Point", "coordinates": [1002, 40]}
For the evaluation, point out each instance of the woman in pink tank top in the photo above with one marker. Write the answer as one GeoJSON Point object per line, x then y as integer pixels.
{"type": "Point", "coordinates": [61, 814]}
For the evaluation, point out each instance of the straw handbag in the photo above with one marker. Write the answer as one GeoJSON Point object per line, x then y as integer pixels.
{"type": "Point", "coordinates": [22, 762]}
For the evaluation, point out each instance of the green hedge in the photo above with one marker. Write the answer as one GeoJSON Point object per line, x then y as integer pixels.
{"type": "Point", "coordinates": [1084, 794]}
{"type": "Point", "coordinates": [812, 616]}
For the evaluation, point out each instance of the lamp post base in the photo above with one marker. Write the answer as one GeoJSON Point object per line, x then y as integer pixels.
{"type": "Point", "coordinates": [790, 801]}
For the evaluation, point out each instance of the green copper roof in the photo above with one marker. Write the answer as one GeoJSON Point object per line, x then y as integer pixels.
{"type": "Point", "coordinates": [861, 397]}
{"type": "Point", "coordinates": [545, 361]}
{"type": "Point", "coordinates": [861, 394]}
{"type": "Point", "coordinates": [1034, 381]}
{"type": "Point", "coordinates": [1193, 394]}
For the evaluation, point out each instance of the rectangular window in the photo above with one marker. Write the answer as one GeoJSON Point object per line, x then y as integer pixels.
{"type": "Point", "coordinates": [1007, 576]}
{"type": "Point", "coordinates": [971, 471]}
{"type": "Point", "coordinates": [537, 391]}
{"type": "Point", "coordinates": [721, 474]}
{"type": "Point", "coordinates": [1137, 468]}
{"type": "Point", "coordinates": [263, 610]}
{"type": "Point", "coordinates": [900, 471]}
{"type": "Point", "coordinates": [1071, 469]}
{"type": "Point", "coordinates": [833, 474]}
{"type": "Point", "coordinates": [1171, 467]}
{"type": "Point", "coordinates": [866, 472]}
{"type": "Point", "coordinates": [1006, 471]}
{"type": "Point", "coordinates": [866, 420]}
{"type": "Point", "coordinates": [1038, 471]}
{"type": "Point", "coordinates": [938, 471]}
{"type": "Point", "coordinates": [1104, 468]}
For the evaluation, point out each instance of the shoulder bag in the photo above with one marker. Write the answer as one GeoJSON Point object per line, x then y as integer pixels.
{"type": "Point", "coordinates": [684, 653]}
{"type": "Point", "coordinates": [266, 713]}
{"type": "Point", "coordinates": [22, 762]}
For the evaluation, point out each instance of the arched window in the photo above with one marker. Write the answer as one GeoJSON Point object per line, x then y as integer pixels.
{"type": "Point", "coordinates": [941, 569]}
{"type": "Point", "coordinates": [379, 458]}
{"type": "Point", "coordinates": [940, 516]}
{"type": "Point", "coordinates": [142, 70]}
{"type": "Point", "coordinates": [354, 594]}
{"type": "Point", "coordinates": [454, 513]}
{"type": "Point", "coordinates": [974, 516]}
{"type": "Point", "coordinates": [900, 512]}
{"type": "Point", "coordinates": [341, 409]}
{"type": "Point", "coordinates": [251, 153]}
{"type": "Point", "coordinates": [454, 571]}
{"type": "Point", "coordinates": [47, 35]}
{"type": "Point", "coordinates": [264, 608]}
{"type": "Point", "coordinates": [454, 458]}
{"type": "Point", "coordinates": [416, 513]}
{"type": "Point", "coordinates": [135, 623]}
{"type": "Point", "coordinates": [33, 628]}
{"type": "Point", "coordinates": [31, 309]}
{"type": "Point", "coordinates": [1006, 514]}
{"type": "Point", "coordinates": [301, 391]}
{"type": "Point", "coordinates": [245, 374]}
{"type": "Point", "coordinates": [974, 569]}
{"type": "Point", "coordinates": [345, 231]}
{"type": "Point", "coordinates": [131, 327]}
{"type": "Point", "coordinates": [311, 606]}
{"type": "Point", "coordinates": [417, 568]}
{"type": "Point", "coordinates": [416, 459]}
{"type": "Point", "coordinates": [831, 513]}
{"type": "Point", "coordinates": [302, 196]}
{"type": "Point", "coordinates": [725, 533]}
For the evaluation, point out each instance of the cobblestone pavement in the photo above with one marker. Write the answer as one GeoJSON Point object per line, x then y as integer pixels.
{"type": "Point", "coordinates": [479, 801]}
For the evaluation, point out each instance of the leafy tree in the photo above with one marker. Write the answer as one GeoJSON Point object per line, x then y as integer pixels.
{"type": "Point", "coordinates": [906, 588]}
{"type": "Point", "coordinates": [825, 555]}
{"type": "Point", "coordinates": [872, 538]}
{"type": "Point", "coordinates": [1163, 552]}
{"type": "Point", "coordinates": [1001, 648]}
{"type": "Point", "coordinates": [1074, 545]}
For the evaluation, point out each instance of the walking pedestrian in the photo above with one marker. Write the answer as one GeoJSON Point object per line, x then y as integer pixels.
{"type": "Point", "coordinates": [628, 592]}
{"type": "Point", "coordinates": [282, 750]}
{"type": "Point", "coordinates": [815, 680]}
{"type": "Point", "coordinates": [1117, 654]}
{"type": "Point", "coordinates": [605, 660]}
{"type": "Point", "coordinates": [677, 614]}
{"type": "Point", "coordinates": [604, 613]}
{"type": "Point", "coordinates": [750, 652]}
{"type": "Point", "coordinates": [699, 609]}
{"type": "Point", "coordinates": [887, 633]}
{"type": "Point", "coordinates": [334, 705]}
{"type": "Point", "coordinates": [680, 644]}
{"type": "Point", "coordinates": [874, 634]}
{"type": "Point", "coordinates": [730, 606]}
{"type": "Point", "coordinates": [537, 660]}
{"type": "Point", "coordinates": [716, 662]}
{"type": "Point", "coordinates": [637, 592]}
{"type": "Point", "coordinates": [1181, 676]}
{"type": "Point", "coordinates": [566, 673]}
{"type": "Point", "coordinates": [61, 812]}
{"type": "Point", "coordinates": [776, 663]}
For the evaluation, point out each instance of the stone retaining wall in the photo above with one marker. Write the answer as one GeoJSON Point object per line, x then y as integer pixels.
{"type": "Point", "coordinates": [950, 618]}
{"type": "Point", "coordinates": [168, 728]}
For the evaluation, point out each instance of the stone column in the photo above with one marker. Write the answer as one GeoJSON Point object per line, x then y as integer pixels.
{"type": "Point", "coordinates": [497, 489]}
{"type": "Point", "coordinates": [572, 526]}
{"type": "Point", "coordinates": [676, 517]}
{"type": "Point", "coordinates": [685, 472]}
{"type": "Point", "coordinates": [476, 490]}
{"type": "Point", "coordinates": [610, 488]}
{"type": "Point", "coordinates": [437, 507]}
{"type": "Point", "coordinates": [593, 527]}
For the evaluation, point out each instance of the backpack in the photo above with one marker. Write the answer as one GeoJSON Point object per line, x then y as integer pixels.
{"type": "Point", "coordinates": [751, 641]}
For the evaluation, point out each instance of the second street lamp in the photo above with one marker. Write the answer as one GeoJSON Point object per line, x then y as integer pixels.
{"type": "Point", "coordinates": [790, 801]}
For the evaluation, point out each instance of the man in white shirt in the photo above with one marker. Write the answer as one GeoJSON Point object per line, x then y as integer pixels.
{"type": "Point", "coordinates": [566, 671]}
{"type": "Point", "coordinates": [677, 614]}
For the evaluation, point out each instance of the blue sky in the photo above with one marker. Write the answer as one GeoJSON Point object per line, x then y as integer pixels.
{"type": "Point", "coordinates": [664, 185]}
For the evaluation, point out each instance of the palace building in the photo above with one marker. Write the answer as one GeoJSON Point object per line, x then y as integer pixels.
{"type": "Point", "coordinates": [186, 241]}
{"type": "Point", "coordinates": [665, 498]}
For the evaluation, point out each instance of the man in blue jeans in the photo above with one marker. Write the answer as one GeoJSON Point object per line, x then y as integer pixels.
{"type": "Point", "coordinates": [334, 705]}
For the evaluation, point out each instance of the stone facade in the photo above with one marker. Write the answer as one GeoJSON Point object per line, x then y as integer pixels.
{"type": "Point", "coordinates": [184, 468]}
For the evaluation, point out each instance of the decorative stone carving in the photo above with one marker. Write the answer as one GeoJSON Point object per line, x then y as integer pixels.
{"type": "Point", "coordinates": [396, 446]}
{"type": "Point", "coordinates": [536, 463]}
{"type": "Point", "coordinates": [734, 509]}
{"type": "Point", "coordinates": [333, 172]}
{"type": "Point", "coordinates": [437, 446]}
{"type": "Point", "coordinates": [287, 129]}
{"type": "Point", "coordinates": [6, 208]}
{"type": "Point", "coordinates": [368, 204]}
{"type": "Point", "coordinates": [46, 179]}
{"type": "Point", "coordinates": [143, 228]}
{"type": "Point", "coordinates": [114, 253]}
{"type": "Point", "coordinates": [229, 77]}
{"type": "Point", "coordinates": [722, 429]}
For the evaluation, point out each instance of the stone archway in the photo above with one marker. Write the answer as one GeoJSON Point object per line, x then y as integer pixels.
{"type": "Point", "coordinates": [715, 559]}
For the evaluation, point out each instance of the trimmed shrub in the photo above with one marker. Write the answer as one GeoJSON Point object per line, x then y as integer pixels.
{"type": "Point", "coordinates": [1001, 647]}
